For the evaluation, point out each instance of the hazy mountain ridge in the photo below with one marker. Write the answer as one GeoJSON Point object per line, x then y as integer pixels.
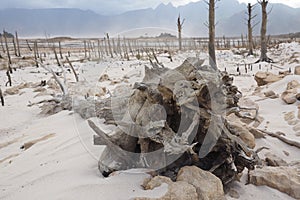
{"type": "Point", "coordinates": [77, 23]}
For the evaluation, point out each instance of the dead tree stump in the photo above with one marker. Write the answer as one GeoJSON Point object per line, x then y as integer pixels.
{"type": "Point", "coordinates": [172, 119]}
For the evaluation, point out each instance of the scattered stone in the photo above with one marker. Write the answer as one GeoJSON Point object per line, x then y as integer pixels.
{"type": "Point", "coordinates": [285, 179]}
{"type": "Point", "coordinates": [298, 96]}
{"type": "Point", "coordinates": [178, 190]}
{"type": "Point", "coordinates": [274, 161]}
{"type": "Point", "coordinates": [269, 93]}
{"type": "Point", "coordinates": [288, 97]}
{"type": "Point", "coordinates": [12, 91]}
{"type": "Point", "coordinates": [297, 70]}
{"type": "Point", "coordinates": [296, 128]}
{"type": "Point", "coordinates": [243, 132]}
{"type": "Point", "coordinates": [293, 85]}
{"type": "Point", "coordinates": [289, 116]}
{"type": "Point", "coordinates": [286, 153]}
{"type": "Point", "coordinates": [208, 186]}
{"type": "Point", "coordinates": [264, 78]}
{"type": "Point", "coordinates": [104, 77]}
{"type": "Point", "coordinates": [233, 194]}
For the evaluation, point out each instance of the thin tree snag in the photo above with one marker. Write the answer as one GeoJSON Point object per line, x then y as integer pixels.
{"type": "Point", "coordinates": [1, 97]}
{"type": "Point", "coordinates": [263, 32]}
{"type": "Point", "coordinates": [283, 139]}
{"type": "Point", "coordinates": [28, 45]}
{"type": "Point", "coordinates": [18, 45]}
{"type": "Point", "coordinates": [60, 52]}
{"type": "Point", "coordinates": [250, 29]}
{"type": "Point", "coordinates": [9, 79]}
{"type": "Point", "coordinates": [15, 47]}
{"type": "Point", "coordinates": [56, 57]}
{"type": "Point", "coordinates": [211, 43]}
{"type": "Point", "coordinates": [35, 52]}
{"type": "Point", "coordinates": [62, 85]}
{"type": "Point", "coordinates": [179, 26]}
{"type": "Point", "coordinates": [6, 45]}
{"type": "Point", "coordinates": [73, 70]}
{"type": "Point", "coordinates": [109, 46]}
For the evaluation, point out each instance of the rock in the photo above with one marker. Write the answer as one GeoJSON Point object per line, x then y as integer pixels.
{"type": "Point", "coordinates": [243, 132]}
{"type": "Point", "coordinates": [179, 190]}
{"type": "Point", "coordinates": [103, 78]}
{"type": "Point", "coordinates": [256, 133]}
{"type": "Point", "coordinates": [269, 93]}
{"type": "Point", "coordinates": [297, 70]}
{"type": "Point", "coordinates": [12, 91]}
{"type": "Point", "coordinates": [293, 85]}
{"type": "Point", "coordinates": [284, 179]}
{"type": "Point", "coordinates": [208, 186]}
{"type": "Point", "coordinates": [264, 78]}
{"type": "Point", "coordinates": [296, 128]}
{"type": "Point", "coordinates": [234, 194]}
{"type": "Point", "coordinates": [298, 96]}
{"type": "Point", "coordinates": [288, 97]}
{"type": "Point", "coordinates": [274, 161]}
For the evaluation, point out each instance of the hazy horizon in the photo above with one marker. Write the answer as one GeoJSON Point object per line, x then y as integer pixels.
{"type": "Point", "coordinates": [113, 6]}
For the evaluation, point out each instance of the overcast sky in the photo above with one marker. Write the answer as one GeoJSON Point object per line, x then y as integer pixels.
{"type": "Point", "coordinates": [109, 6]}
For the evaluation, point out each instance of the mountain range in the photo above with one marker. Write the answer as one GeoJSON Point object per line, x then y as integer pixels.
{"type": "Point", "coordinates": [230, 17]}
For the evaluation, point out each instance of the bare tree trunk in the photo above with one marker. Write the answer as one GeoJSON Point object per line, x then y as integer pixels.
{"type": "Point", "coordinates": [56, 57]}
{"type": "Point", "coordinates": [85, 54]}
{"type": "Point", "coordinates": [250, 31]}
{"type": "Point", "coordinates": [263, 32]}
{"type": "Point", "coordinates": [35, 54]}
{"type": "Point", "coordinates": [60, 52]}
{"type": "Point", "coordinates": [28, 45]}
{"type": "Point", "coordinates": [1, 97]}
{"type": "Point", "coordinates": [18, 44]}
{"type": "Point", "coordinates": [109, 46]}
{"type": "Point", "coordinates": [179, 26]}
{"type": "Point", "coordinates": [7, 49]}
{"type": "Point", "coordinates": [211, 43]}
{"type": "Point", "coordinates": [73, 70]}
{"type": "Point", "coordinates": [9, 78]}
{"type": "Point", "coordinates": [15, 47]}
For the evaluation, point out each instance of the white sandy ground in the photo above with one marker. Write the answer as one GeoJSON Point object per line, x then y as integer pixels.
{"type": "Point", "coordinates": [64, 166]}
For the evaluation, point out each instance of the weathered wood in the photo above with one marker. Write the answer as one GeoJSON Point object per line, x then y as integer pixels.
{"type": "Point", "coordinates": [1, 97]}
{"type": "Point", "coordinates": [9, 79]}
{"type": "Point", "coordinates": [283, 139]}
{"type": "Point", "coordinates": [7, 49]}
{"type": "Point", "coordinates": [178, 113]}
{"type": "Point", "coordinates": [73, 70]}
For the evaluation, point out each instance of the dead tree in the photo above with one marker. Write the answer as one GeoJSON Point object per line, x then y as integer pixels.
{"type": "Point", "coordinates": [36, 54]}
{"type": "Point", "coordinates": [7, 49]}
{"type": "Point", "coordinates": [73, 70]}
{"type": "Point", "coordinates": [55, 54]}
{"type": "Point", "coordinates": [28, 45]}
{"type": "Point", "coordinates": [15, 46]}
{"type": "Point", "coordinates": [18, 45]}
{"type": "Point", "coordinates": [211, 27]}
{"type": "Point", "coordinates": [109, 46]}
{"type": "Point", "coordinates": [263, 32]}
{"type": "Point", "coordinates": [179, 26]}
{"type": "Point", "coordinates": [173, 118]}
{"type": "Point", "coordinates": [250, 28]}
{"type": "Point", "coordinates": [9, 79]}
{"type": "Point", "coordinates": [1, 97]}
{"type": "Point", "coordinates": [60, 52]}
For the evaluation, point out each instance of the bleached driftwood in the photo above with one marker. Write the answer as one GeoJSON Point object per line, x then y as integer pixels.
{"type": "Point", "coordinates": [172, 119]}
